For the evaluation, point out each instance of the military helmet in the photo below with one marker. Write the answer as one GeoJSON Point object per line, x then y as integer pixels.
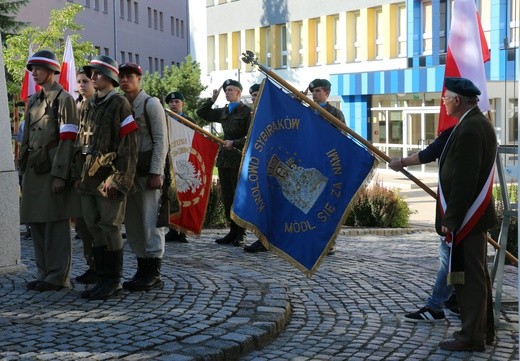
{"type": "Point", "coordinates": [105, 65]}
{"type": "Point", "coordinates": [46, 59]}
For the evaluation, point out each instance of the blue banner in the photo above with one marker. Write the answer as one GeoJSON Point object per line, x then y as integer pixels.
{"type": "Point", "coordinates": [298, 175]}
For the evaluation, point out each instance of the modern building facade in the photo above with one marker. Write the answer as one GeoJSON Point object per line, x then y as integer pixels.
{"type": "Point", "coordinates": [151, 33]}
{"type": "Point", "coordinates": [384, 58]}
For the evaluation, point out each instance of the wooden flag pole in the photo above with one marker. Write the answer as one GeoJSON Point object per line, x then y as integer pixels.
{"type": "Point", "coordinates": [194, 126]}
{"type": "Point", "coordinates": [249, 58]}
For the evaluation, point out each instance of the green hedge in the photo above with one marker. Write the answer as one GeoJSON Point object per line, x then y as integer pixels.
{"type": "Point", "coordinates": [215, 215]}
{"type": "Point", "coordinates": [378, 206]}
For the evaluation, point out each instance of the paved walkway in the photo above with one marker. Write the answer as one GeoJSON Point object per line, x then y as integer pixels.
{"type": "Point", "coordinates": [220, 303]}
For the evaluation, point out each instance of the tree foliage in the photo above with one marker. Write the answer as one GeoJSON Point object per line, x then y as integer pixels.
{"type": "Point", "coordinates": [8, 11]}
{"type": "Point", "coordinates": [185, 79]}
{"type": "Point", "coordinates": [61, 21]}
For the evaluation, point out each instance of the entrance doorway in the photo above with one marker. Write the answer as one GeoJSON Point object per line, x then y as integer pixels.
{"type": "Point", "coordinates": [400, 132]}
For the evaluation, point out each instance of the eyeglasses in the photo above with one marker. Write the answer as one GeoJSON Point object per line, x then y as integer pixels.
{"type": "Point", "coordinates": [447, 97]}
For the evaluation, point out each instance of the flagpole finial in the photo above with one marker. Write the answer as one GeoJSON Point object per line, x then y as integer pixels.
{"type": "Point", "coordinates": [249, 57]}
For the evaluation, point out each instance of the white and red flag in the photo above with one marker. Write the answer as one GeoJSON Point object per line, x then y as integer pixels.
{"type": "Point", "coordinates": [29, 86]}
{"type": "Point", "coordinates": [68, 71]}
{"type": "Point", "coordinates": [193, 157]}
{"type": "Point", "coordinates": [467, 53]}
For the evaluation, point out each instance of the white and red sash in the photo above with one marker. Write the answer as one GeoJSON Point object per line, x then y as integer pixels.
{"type": "Point", "coordinates": [475, 211]}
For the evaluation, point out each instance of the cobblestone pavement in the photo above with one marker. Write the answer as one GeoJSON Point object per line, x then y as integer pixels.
{"type": "Point", "coordinates": [220, 303]}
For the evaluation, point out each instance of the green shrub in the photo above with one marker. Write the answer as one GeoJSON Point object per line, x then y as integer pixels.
{"type": "Point", "coordinates": [378, 206]}
{"type": "Point", "coordinates": [215, 215]}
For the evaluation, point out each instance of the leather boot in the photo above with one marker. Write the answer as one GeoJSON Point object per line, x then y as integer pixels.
{"type": "Point", "coordinates": [138, 274]}
{"type": "Point", "coordinates": [230, 237]}
{"type": "Point", "coordinates": [99, 259]}
{"type": "Point", "coordinates": [240, 239]}
{"type": "Point", "coordinates": [113, 271]}
{"type": "Point", "coordinates": [151, 278]}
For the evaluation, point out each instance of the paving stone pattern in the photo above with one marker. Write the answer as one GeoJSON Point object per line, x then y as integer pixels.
{"type": "Point", "coordinates": [220, 303]}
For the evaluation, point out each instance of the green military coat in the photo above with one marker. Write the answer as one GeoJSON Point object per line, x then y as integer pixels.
{"type": "Point", "coordinates": [42, 128]}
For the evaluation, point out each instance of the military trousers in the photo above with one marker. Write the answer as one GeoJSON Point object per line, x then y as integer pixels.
{"type": "Point", "coordinates": [104, 219]}
{"type": "Point", "coordinates": [52, 251]}
{"type": "Point", "coordinates": [145, 239]}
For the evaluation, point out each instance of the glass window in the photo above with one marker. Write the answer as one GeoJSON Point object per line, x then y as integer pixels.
{"type": "Point", "coordinates": [105, 6]}
{"type": "Point", "coordinates": [443, 26]}
{"type": "Point", "coordinates": [87, 3]}
{"type": "Point", "coordinates": [401, 30]}
{"type": "Point", "coordinates": [336, 31]}
{"type": "Point", "coordinates": [317, 46]}
{"type": "Point", "coordinates": [427, 28]}
{"type": "Point", "coordinates": [150, 64]}
{"type": "Point", "coordinates": [136, 12]}
{"type": "Point", "coordinates": [149, 17]}
{"type": "Point", "coordinates": [161, 21]}
{"type": "Point", "coordinates": [123, 59]}
{"type": "Point", "coordinates": [137, 59]}
{"type": "Point", "coordinates": [122, 9]}
{"type": "Point", "coordinates": [485, 18]}
{"type": "Point", "coordinates": [514, 23]}
{"type": "Point", "coordinates": [357, 36]}
{"type": "Point", "coordinates": [379, 32]}
{"type": "Point", "coordinates": [182, 28]}
{"type": "Point", "coordinates": [155, 20]}
{"type": "Point", "coordinates": [129, 10]}
{"type": "Point", "coordinates": [283, 45]}
{"type": "Point", "coordinates": [211, 54]}
{"type": "Point", "coordinates": [298, 48]}
{"type": "Point", "coordinates": [267, 41]}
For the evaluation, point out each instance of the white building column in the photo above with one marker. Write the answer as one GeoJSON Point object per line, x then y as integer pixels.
{"type": "Point", "coordinates": [10, 259]}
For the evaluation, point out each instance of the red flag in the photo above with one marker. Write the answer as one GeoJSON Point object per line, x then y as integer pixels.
{"type": "Point", "coordinates": [29, 87]}
{"type": "Point", "coordinates": [193, 156]}
{"type": "Point", "coordinates": [467, 53]}
{"type": "Point", "coordinates": [68, 71]}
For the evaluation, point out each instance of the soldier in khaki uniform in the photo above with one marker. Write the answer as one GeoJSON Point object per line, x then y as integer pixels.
{"type": "Point", "coordinates": [48, 198]}
{"type": "Point", "coordinates": [235, 118]}
{"type": "Point", "coordinates": [144, 237]}
{"type": "Point", "coordinates": [108, 139]}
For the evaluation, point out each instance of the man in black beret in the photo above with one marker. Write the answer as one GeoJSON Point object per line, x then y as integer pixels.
{"type": "Point", "coordinates": [465, 212]}
{"type": "Point", "coordinates": [253, 91]}
{"type": "Point", "coordinates": [235, 119]}
{"type": "Point", "coordinates": [320, 89]}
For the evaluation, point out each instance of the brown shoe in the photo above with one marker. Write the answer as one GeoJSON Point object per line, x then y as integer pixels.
{"type": "Point", "coordinates": [456, 345]}
{"type": "Point", "coordinates": [46, 286]}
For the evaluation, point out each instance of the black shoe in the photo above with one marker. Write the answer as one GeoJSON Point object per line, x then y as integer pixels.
{"type": "Point", "coordinates": [239, 241]}
{"type": "Point", "coordinates": [425, 314]}
{"type": "Point", "coordinates": [46, 286]}
{"type": "Point", "coordinates": [255, 247]}
{"type": "Point", "coordinates": [227, 239]}
{"type": "Point", "coordinates": [150, 277]}
{"type": "Point", "coordinates": [31, 285]}
{"type": "Point", "coordinates": [88, 278]}
{"type": "Point", "coordinates": [175, 236]}
{"type": "Point", "coordinates": [27, 236]}
{"type": "Point", "coordinates": [456, 345]}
